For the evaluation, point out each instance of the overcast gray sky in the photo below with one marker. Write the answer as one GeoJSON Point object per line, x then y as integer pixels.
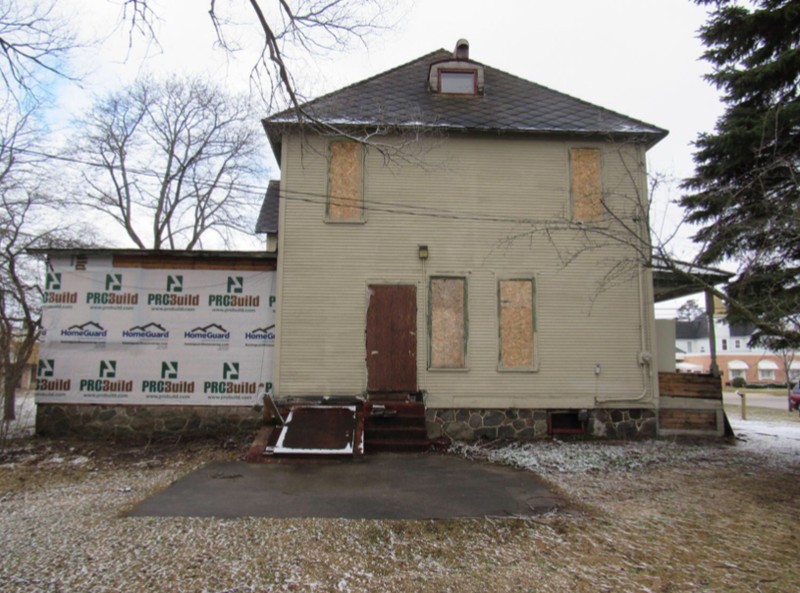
{"type": "Point", "coordinates": [637, 57]}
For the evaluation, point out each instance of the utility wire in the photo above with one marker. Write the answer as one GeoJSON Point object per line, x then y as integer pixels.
{"type": "Point", "coordinates": [323, 199]}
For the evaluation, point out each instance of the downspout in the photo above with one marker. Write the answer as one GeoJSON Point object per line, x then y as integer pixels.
{"type": "Point", "coordinates": [645, 356]}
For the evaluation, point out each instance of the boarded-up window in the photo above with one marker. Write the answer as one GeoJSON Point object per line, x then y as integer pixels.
{"type": "Point", "coordinates": [345, 181]}
{"type": "Point", "coordinates": [516, 323]}
{"type": "Point", "coordinates": [448, 323]}
{"type": "Point", "coordinates": [586, 184]}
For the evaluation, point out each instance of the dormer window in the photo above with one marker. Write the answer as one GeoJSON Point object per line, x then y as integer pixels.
{"type": "Point", "coordinates": [458, 82]}
{"type": "Point", "coordinates": [458, 75]}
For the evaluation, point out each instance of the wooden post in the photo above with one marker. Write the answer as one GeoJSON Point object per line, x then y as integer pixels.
{"type": "Point", "coordinates": [743, 395]}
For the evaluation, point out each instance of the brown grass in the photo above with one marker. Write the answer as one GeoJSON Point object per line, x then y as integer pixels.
{"type": "Point", "coordinates": [698, 518]}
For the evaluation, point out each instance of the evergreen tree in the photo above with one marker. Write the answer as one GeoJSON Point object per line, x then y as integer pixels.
{"type": "Point", "coordinates": [746, 186]}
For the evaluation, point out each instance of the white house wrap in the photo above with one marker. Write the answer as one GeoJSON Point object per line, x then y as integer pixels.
{"type": "Point", "coordinates": [133, 335]}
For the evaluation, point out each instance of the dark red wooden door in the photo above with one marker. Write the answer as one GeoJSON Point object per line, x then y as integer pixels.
{"type": "Point", "coordinates": [392, 338]}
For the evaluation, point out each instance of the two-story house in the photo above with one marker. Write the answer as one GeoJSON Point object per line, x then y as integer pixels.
{"type": "Point", "coordinates": [453, 232]}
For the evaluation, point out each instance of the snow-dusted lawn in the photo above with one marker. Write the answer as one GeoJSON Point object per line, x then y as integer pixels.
{"type": "Point", "coordinates": [656, 517]}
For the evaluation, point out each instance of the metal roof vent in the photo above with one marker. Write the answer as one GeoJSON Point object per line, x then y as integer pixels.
{"type": "Point", "coordinates": [462, 50]}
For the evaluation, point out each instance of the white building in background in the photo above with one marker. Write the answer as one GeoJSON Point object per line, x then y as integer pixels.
{"type": "Point", "coordinates": [735, 358]}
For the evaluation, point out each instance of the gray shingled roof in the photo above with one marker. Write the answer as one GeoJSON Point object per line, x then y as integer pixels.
{"type": "Point", "coordinates": [400, 97]}
{"type": "Point", "coordinates": [692, 330]}
{"type": "Point", "coordinates": [268, 217]}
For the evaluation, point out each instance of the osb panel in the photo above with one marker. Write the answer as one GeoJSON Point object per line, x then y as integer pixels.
{"type": "Point", "coordinates": [344, 181]}
{"type": "Point", "coordinates": [448, 350]}
{"type": "Point", "coordinates": [166, 262]}
{"type": "Point", "coordinates": [587, 196]}
{"type": "Point", "coordinates": [516, 324]}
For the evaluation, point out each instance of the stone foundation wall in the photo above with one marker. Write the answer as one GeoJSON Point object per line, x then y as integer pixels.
{"type": "Point", "coordinates": [144, 423]}
{"type": "Point", "coordinates": [522, 424]}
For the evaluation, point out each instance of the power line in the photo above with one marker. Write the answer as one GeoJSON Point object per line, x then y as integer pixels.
{"type": "Point", "coordinates": [323, 199]}
{"type": "Point", "coordinates": [320, 199]}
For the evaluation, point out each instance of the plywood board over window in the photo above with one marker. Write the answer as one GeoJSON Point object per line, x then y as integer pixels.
{"type": "Point", "coordinates": [448, 323]}
{"type": "Point", "coordinates": [586, 184]}
{"type": "Point", "coordinates": [516, 324]}
{"type": "Point", "coordinates": [345, 181]}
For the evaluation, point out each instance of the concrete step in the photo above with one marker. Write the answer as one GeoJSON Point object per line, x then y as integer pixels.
{"type": "Point", "coordinates": [395, 446]}
{"type": "Point", "coordinates": [410, 433]}
{"type": "Point", "coordinates": [396, 409]}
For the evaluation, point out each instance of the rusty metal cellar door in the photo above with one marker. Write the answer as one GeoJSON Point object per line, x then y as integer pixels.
{"type": "Point", "coordinates": [392, 338]}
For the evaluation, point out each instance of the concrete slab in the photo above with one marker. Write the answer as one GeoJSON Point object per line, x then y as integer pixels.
{"type": "Point", "coordinates": [381, 486]}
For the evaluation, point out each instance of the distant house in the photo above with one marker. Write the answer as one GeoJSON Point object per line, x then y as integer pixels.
{"type": "Point", "coordinates": [28, 375]}
{"type": "Point", "coordinates": [735, 357]}
{"type": "Point", "coordinates": [407, 263]}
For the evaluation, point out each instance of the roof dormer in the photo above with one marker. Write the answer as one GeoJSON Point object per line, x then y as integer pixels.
{"type": "Point", "coordinates": [458, 76]}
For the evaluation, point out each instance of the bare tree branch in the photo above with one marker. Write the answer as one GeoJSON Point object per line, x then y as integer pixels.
{"type": "Point", "coordinates": [26, 221]}
{"type": "Point", "coordinates": [34, 43]}
{"type": "Point", "coordinates": [169, 160]}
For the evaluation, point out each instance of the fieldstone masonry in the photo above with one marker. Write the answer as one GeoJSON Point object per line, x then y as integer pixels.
{"type": "Point", "coordinates": [475, 424]}
{"type": "Point", "coordinates": [144, 423]}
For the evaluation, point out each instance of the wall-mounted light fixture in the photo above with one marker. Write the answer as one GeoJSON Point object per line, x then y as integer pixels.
{"type": "Point", "coordinates": [423, 251]}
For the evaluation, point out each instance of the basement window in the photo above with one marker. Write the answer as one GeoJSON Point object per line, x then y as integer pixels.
{"type": "Point", "coordinates": [458, 82]}
{"type": "Point", "coordinates": [566, 422]}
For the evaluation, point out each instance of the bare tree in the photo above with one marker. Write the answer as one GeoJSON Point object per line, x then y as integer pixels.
{"type": "Point", "coordinates": [26, 221]}
{"type": "Point", "coordinates": [34, 43]}
{"type": "Point", "coordinates": [689, 311]}
{"type": "Point", "coordinates": [170, 162]}
{"type": "Point", "coordinates": [289, 28]}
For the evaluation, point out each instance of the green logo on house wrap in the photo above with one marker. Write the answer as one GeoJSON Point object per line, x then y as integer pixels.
{"type": "Point", "coordinates": [114, 296]}
{"type": "Point", "coordinates": [234, 297]}
{"type": "Point", "coordinates": [173, 297]}
{"type": "Point", "coordinates": [230, 388]}
{"type": "Point", "coordinates": [46, 380]}
{"type": "Point", "coordinates": [106, 385]}
{"type": "Point", "coordinates": [169, 385]}
{"type": "Point", "coordinates": [53, 294]}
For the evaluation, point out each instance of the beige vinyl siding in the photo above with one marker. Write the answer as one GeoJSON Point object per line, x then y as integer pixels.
{"type": "Point", "coordinates": [464, 201]}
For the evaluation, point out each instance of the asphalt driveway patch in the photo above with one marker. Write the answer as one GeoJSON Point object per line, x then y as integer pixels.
{"type": "Point", "coordinates": [381, 486]}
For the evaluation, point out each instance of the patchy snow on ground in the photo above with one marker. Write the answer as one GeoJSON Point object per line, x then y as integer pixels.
{"type": "Point", "coordinates": [776, 444]}
{"type": "Point", "coordinates": [561, 457]}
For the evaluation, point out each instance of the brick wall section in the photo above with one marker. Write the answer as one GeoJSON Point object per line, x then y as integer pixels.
{"type": "Point", "coordinates": [472, 424]}
{"type": "Point", "coordinates": [144, 423]}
